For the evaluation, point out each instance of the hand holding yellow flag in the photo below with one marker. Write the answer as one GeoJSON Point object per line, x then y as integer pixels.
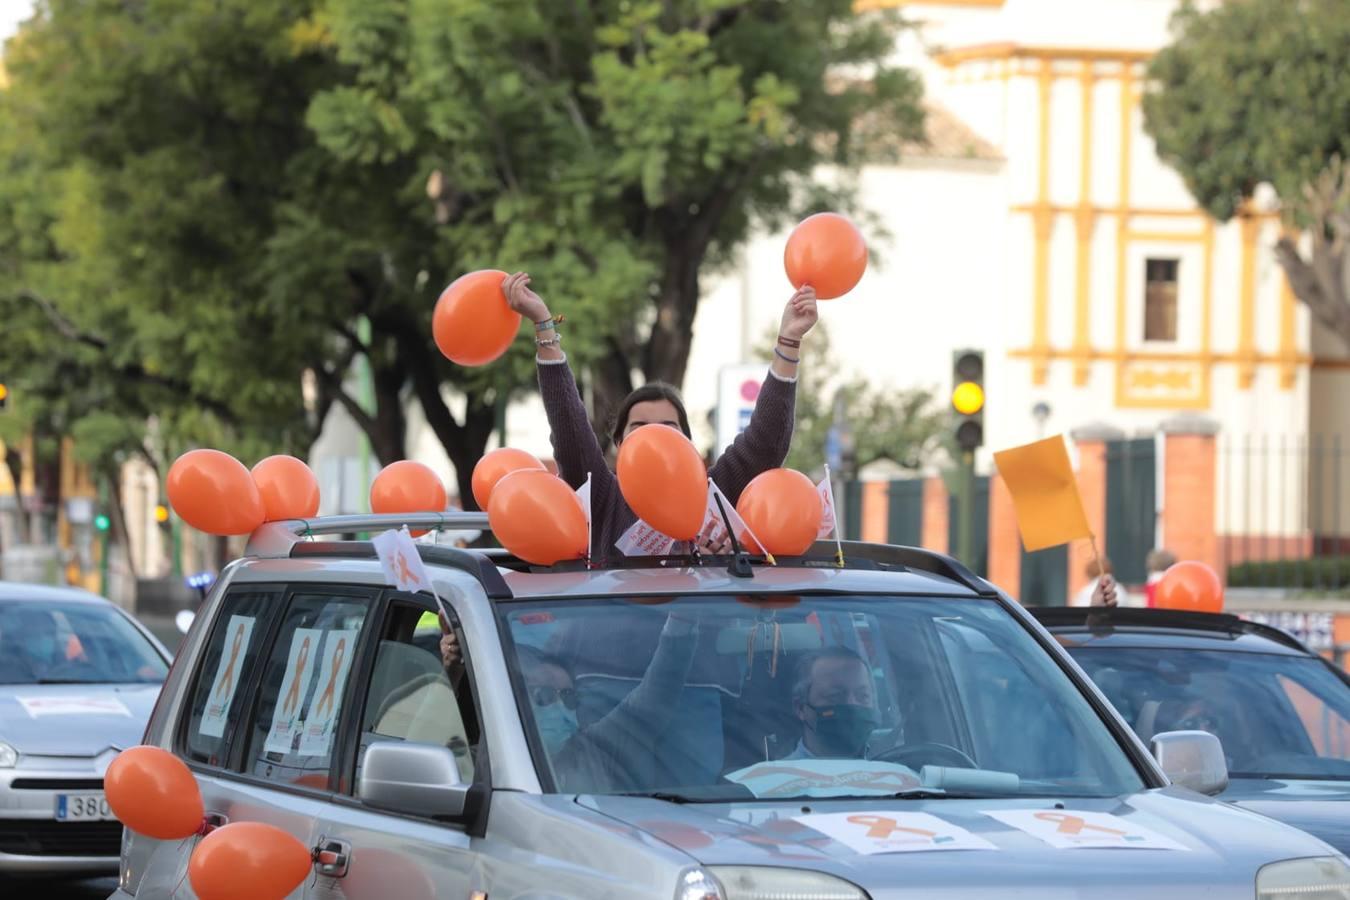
{"type": "Point", "coordinates": [1044, 494]}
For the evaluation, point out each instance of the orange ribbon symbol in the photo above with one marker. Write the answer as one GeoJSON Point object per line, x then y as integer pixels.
{"type": "Point", "coordinates": [228, 681]}
{"type": "Point", "coordinates": [326, 699]}
{"type": "Point", "coordinates": [880, 827]}
{"type": "Point", "coordinates": [293, 698]}
{"type": "Point", "coordinates": [1073, 825]}
{"type": "Point", "coordinates": [405, 573]}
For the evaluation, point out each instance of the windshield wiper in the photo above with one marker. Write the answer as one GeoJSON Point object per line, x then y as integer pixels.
{"type": "Point", "coordinates": [927, 793]}
{"type": "Point", "coordinates": [661, 795]}
{"type": "Point", "coordinates": [66, 681]}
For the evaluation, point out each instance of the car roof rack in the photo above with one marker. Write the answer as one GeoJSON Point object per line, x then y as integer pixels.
{"type": "Point", "coordinates": [1059, 616]}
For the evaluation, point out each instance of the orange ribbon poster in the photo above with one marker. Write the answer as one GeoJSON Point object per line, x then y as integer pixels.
{"type": "Point", "coordinates": [1070, 828]}
{"type": "Point", "coordinates": [1044, 493]}
{"type": "Point", "coordinates": [226, 681]}
{"type": "Point", "coordinates": [317, 736]}
{"type": "Point", "coordinates": [893, 832]}
{"type": "Point", "coordinates": [286, 719]}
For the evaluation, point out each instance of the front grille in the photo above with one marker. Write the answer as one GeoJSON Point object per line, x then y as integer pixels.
{"type": "Point", "coordinates": [57, 784]}
{"type": "Point", "coordinates": [38, 837]}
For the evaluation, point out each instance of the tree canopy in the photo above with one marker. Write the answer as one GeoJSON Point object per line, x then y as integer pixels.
{"type": "Point", "coordinates": [1257, 92]}
{"type": "Point", "coordinates": [204, 203]}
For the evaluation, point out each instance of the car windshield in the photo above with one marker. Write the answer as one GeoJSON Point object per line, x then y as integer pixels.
{"type": "Point", "coordinates": [50, 642]}
{"type": "Point", "coordinates": [1276, 715]}
{"type": "Point", "coordinates": [708, 698]}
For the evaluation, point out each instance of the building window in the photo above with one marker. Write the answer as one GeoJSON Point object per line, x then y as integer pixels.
{"type": "Point", "coordinates": [1160, 299]}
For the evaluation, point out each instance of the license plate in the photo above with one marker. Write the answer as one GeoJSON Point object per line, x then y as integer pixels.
{"type": "Point", "coordinates": [82, 808]}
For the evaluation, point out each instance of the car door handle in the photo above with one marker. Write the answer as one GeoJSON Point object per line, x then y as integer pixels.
{"type": "Point", "coordinates": [331, 858]}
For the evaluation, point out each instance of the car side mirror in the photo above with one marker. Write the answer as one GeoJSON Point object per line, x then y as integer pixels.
{"type": "Point", "coordinates": [412, 778]}
{"type": "Point", "coordinates": [1192, 759]}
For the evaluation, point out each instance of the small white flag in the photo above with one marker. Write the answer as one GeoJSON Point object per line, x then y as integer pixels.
{"type": "Point", "coordinates": [644, 540]}
{"type": "Point", "coordinates": [584, 495]}
{"type": "Point", "coordinates": [401, 562]}
{"type": "Point", "coordinates": [713, 532]}
{"type": "Point", "coordinates": [827, 519]}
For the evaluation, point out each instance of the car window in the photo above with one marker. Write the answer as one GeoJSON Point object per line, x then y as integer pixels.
{"type": "Point", "coordinates": [1276, 715]}
{"type": "Point", "coordinates": [228, 663]}
{"type": "Point", "coordinates": [724, 697]}
{"type": "Point", "coordinates": [414, 694]}
{"type": "Point", "coordinates": [55, 642]}
{"type": "Point", "coordinates": [304, 688]}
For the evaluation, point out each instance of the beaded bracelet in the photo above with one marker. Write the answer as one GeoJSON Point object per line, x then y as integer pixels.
{"type": "Point", "coordinates": [783, 356]}
{"type": "Point", "coordinates": [551, 342]}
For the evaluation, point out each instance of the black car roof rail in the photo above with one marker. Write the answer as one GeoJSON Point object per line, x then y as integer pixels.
{"type": "Point", "coordinates": [479, 565]}
{"type": "Point", "coordinates": [1061, 616]}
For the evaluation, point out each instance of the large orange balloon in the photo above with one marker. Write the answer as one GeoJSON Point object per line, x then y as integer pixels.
{"type": "Point", "coordinates": [248, 861]}
{"type": "Point", "coordinates": [405, 487]}
{"type": "Point", "coordinates": [664, 480]}
{"type": "Point", "coordinates": [153, 793]}
{"type": "Point", "coordinates": [827, 252]}
{"type": "Point", "coordinates": [214, 493]}
{"type": "Point", "coordinates": [495, 466]}
{"type": "Point", "coordinates": [538, 517]}
{"type": "Point", "coordinates": [288, 488]}
{"type": "Point", "coordinates": [1191, 586]}
{"type": "Point", "coordinates": [783, 509]}
{"type": "Point", "coordinates": [472, 324]}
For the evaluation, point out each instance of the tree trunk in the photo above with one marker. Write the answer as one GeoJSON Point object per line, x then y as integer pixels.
{"type": "Point", "coordinates": [667, 353]}
{"type": "Point", "coordinates": [120, 534]}
{"type": "Point", "coordinates": [1319, 283]}
{"type": "Point", "coordinates": [388, 436]}
{"type": "Point", "coordinates": [468, 448]}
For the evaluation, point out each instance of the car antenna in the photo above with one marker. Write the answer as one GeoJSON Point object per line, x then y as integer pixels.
{"type": "Point", "coordinates": [740, 562]}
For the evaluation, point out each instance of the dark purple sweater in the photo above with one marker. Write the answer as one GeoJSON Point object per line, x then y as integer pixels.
{"type": "Point", "coordinates": [762, 446]}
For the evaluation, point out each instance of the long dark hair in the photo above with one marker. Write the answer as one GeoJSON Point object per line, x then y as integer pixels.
{"type": "Point", "coordinates": [655, 390]}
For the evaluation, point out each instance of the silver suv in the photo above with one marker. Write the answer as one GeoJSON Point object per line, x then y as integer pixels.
{"type": "Point", "coordinates": [683, 729]}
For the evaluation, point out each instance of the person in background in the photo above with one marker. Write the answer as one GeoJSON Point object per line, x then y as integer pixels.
{"type": "Point", "coordinates": [1101, 589]}
{"type": "Point", "coordinates": [1157, 562]}
{"type": "Point", "coordinates": [762, 446]}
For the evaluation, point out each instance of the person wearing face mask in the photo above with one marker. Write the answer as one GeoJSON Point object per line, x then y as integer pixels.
{"type": "Point", "coordinates": [832, 695]}
{"type": "Point", "coordinates": [618, 751]}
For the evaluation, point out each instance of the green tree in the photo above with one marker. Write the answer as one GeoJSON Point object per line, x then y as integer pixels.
{"type": "Point", "coordinates": [903, 425]}
{"type": "Point", "coordinates": [1257, 92]}
{"type": "Point", "coordinates": [241, 183]}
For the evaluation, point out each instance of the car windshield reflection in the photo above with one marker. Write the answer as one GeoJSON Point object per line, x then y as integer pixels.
{"type": "Point", "coordinates": [50, 642]}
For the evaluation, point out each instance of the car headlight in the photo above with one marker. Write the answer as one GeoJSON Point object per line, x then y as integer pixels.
{"type": "Point", "coordinates": [765, 883]}
{"type": "Point", "coordinates": [1316, 878]}
{"type": "Point", "coordinates": [9, 757]}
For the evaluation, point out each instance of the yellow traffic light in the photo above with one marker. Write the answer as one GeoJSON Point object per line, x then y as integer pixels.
{"type": "Point", "coordinates": [968, 398]}
{"type": "Point", "coordinates": [161, 513]}
{"type": "Point", "coordinates": [4, 392]}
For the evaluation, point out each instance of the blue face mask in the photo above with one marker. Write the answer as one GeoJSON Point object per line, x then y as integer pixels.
{"type": "Point", "coordinates": [556, 724]}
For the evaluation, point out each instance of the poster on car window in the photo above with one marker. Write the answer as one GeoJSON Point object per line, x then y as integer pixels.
{"type": "Point", "coordinates": [1067, 829]}
{"type": "Point", "coordinates": [824, 778]}
{"type": "Point", "coordinates": [893, 832]}
{"type": "Point", "coordinates": [317, 736]}
{"type": "Point", "coordinates": [300, 666]}
{"type": "Point", "coordinates": [226, 681]}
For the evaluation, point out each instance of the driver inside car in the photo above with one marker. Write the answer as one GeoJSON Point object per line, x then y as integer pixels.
{"type": "Point", "coordinates": [833, 697]}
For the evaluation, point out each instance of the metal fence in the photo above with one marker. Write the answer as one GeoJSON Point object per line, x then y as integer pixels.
{"type": "Point", "coordinates": [1284, 510]}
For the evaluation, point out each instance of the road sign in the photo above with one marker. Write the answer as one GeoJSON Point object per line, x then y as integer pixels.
{"type": "Point", "coordinates": [834, 450]}
{"type": "Point", "coordinates": [737, 390]}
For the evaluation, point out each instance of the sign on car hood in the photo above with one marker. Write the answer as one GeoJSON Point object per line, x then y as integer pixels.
{"type": "Point", "coordinates": [74, 719]}
{"type": "Point", "coordinates": [1166, 841]}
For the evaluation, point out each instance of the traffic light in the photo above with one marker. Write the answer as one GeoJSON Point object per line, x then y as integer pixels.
{"type": "Point", "coordinates": [968, 398]}
{"type": "Point", "coordinates": [161, 513]}
{"type": "Point", "coordinates": [4, 396]}
{"type": "Point", "coordinates": [101, 522]}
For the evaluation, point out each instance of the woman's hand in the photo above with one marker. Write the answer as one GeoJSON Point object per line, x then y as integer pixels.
{"type": "Point", "coordinates": [800, 314]}
{"type": "Point", "coordinates": [1105, 592]}
{"type": "Point", "coordinates": [523, 300]}
{"type": "Point", "coordinates": [450, 655]}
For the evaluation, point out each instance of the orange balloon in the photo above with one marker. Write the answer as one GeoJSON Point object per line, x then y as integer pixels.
{"type": "Point", "coordinates": [783, 509]}
{"type": "Point", "coordinates": [495, 466]}
{"type": "Point", "coordinates": [288, 488]}
{"type": "Point", "coordinates": [472, 324]}
{"type": "Point", "coordinates": [406, 487]}
{"type": "Point", "coordinates": [664, 480]}
{"type": "Point", "coordinates": [827, 252]}
{"type": "Point", "coordinates": [538, 517]}
{"type": "Point", "coordinates": [1191, 586]}
{"type": "Point", "coordinates": [214, 493]}
{"type": "Point", "coordinates": [153, 793]}
{"type": "Point", "coordinates": [248, 861]}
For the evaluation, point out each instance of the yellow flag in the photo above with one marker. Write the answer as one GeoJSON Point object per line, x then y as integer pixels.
{"type": "Point", "coordinates": [1044, 493]}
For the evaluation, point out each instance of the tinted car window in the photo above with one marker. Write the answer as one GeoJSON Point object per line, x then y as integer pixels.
{"type": "Point", "coordinates": [304, 689]}
{"type": "Point", "coordinates": [228, 664]}
{"type": "Point", "coordinates": [1276, 715]}
{"type": "Point", "coordinates": [73, 643]}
